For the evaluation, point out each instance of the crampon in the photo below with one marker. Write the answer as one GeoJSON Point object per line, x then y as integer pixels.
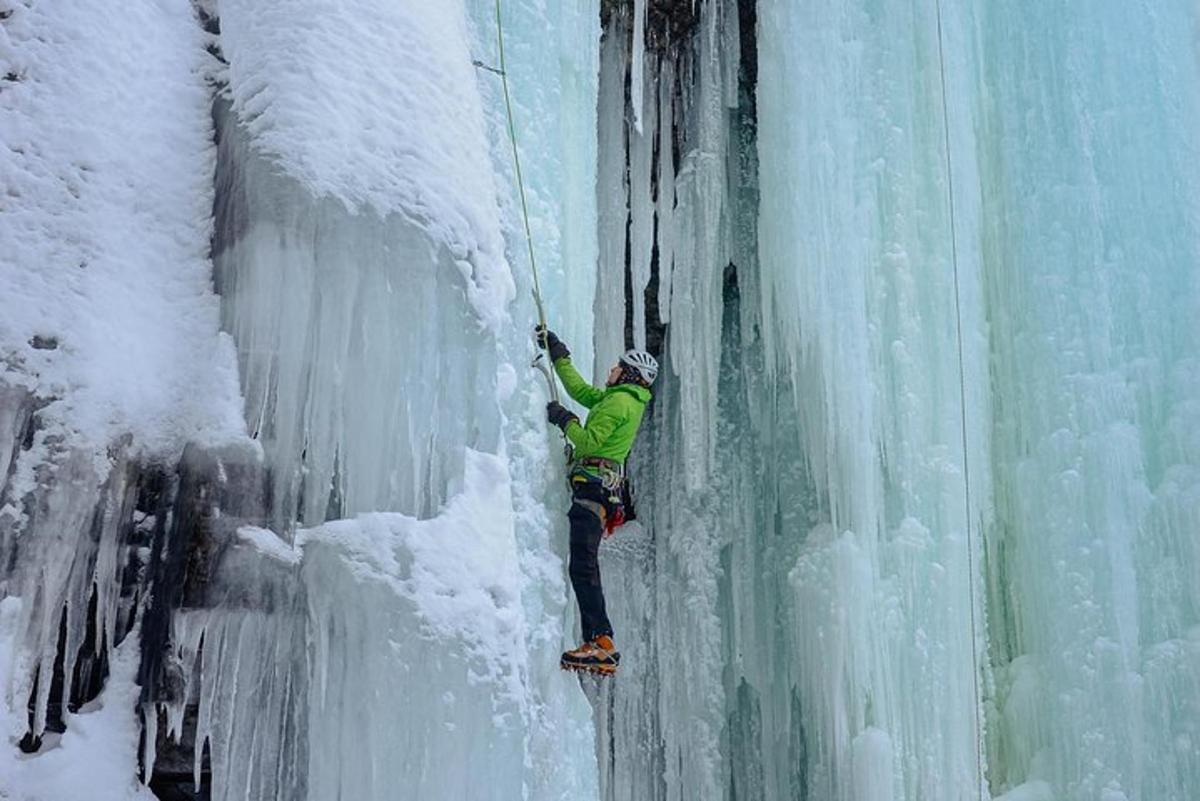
{"type": "Point", "coordinates": [591, 670]}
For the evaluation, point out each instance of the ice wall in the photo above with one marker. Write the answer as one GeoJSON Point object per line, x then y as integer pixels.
{"type": "Point", "coordinates": [552, 54]}
{"type": "Point", "coordinates": [355, 216]}
{"type": "Point", "coordinates": [919, 481]}
{"type": "Point", "coordinates": [1075, 295]}
{"type": "Point", "coordinates": [860, 305]}
{"type": "Point", "coordinates": [919, 488]}
{"type": "Point", "coordinates": [365, 216]}
{"type": "Point", "coordinates": [1089, 259]}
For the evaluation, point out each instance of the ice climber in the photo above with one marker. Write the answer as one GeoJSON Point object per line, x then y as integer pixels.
{"type": "Point", "coordinates": [596, 475]}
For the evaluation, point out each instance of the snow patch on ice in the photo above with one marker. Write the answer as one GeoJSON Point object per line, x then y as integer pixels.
{"type": "Point", "coordinates": [269, 544]}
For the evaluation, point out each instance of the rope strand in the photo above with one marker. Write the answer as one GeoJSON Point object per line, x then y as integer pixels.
{"type": "Point", "coordinates": [512, 135]}
{"type": "Point", "coordinates": [962, 396]}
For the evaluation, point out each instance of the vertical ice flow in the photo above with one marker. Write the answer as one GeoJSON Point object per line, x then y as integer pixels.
{"type": "Point", "coordinates": [1089, 260]}
{"type": "Point", "coordinates": [859, 307]}
{"type": "Point", "coordinates": [612, 197]}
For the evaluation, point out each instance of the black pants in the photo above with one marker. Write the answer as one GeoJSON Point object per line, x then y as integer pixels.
{"type": "Point", "coordinates": [584, 567]}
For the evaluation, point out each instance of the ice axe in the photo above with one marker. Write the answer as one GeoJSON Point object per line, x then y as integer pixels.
{"type": "Point", "coordinates": [539, 364]}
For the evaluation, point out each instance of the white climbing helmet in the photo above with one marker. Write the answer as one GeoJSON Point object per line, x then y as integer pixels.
{"type": "Point", "coordinates": [644, 363]}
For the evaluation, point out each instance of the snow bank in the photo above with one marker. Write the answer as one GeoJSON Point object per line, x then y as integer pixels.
{"type": "Point", "coordinates": [105, 225]}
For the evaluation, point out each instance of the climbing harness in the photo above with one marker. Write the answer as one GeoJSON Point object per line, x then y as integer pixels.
{"type": "Point", "coordinates": [502, 71]}
{"type": "Point", "coordinates": [962, 396]}
{"type": "Point", "coordinates": [609, 475]}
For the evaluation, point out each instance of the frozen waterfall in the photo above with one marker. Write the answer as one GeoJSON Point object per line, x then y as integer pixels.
{"type": "Point", "coordinates": [918, 494]}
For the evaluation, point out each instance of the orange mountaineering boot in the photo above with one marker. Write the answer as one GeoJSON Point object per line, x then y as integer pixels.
{"type": "Point", "coordinates": [598, 656]}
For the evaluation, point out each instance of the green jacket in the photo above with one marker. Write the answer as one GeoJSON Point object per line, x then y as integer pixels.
{"type": "Point", "coordinates": [614, 416]}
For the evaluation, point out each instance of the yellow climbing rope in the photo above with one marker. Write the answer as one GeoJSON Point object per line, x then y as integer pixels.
{"type": "Point", "coordinates": [962, 397]}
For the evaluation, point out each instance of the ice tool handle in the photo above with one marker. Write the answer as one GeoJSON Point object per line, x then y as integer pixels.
{"type": "Point", "coordinates": [502, 71]}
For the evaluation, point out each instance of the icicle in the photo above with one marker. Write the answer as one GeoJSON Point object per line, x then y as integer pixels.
{"type": "Point", "coordinates": [665, 202]}
{"type": "Point", "coordinates": [701, 256]}
{"type": "Point", "coordinates": [637, 63]}
{"type": "Point", "coordinates": [611, 195]}
{"type": "Point", "coordinates": [150, 742]}
{"type": "Point", "coordinates": [641, 212]}
{"type": "Point", "coordinates": [731, 51]}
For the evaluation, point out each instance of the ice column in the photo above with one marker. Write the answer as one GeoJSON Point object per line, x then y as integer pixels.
{"type": "Point", "coordinates": [641, 206]}
{"type": "Point", "coordinates": [701, 235]}
{"type": "Point", "coordinates": [859, 319]}
{"type": "Point", "coordinates": [637, 68]}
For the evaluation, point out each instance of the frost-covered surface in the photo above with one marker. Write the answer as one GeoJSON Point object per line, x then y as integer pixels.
{"type": "Point", "coordinates": [377, 652]}
{"type": "Point", "coordinates": [365, 285]}
{"type": "Point", "coordinates": [357, 208]}
{"type": "Point", "coordinates": [427, 614]}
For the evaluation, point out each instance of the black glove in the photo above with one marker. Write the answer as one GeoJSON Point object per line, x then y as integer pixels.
{"type": "Point", "coordinates": [549, 340]}
{"type": "Point", "coordinates": [559, 415]}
